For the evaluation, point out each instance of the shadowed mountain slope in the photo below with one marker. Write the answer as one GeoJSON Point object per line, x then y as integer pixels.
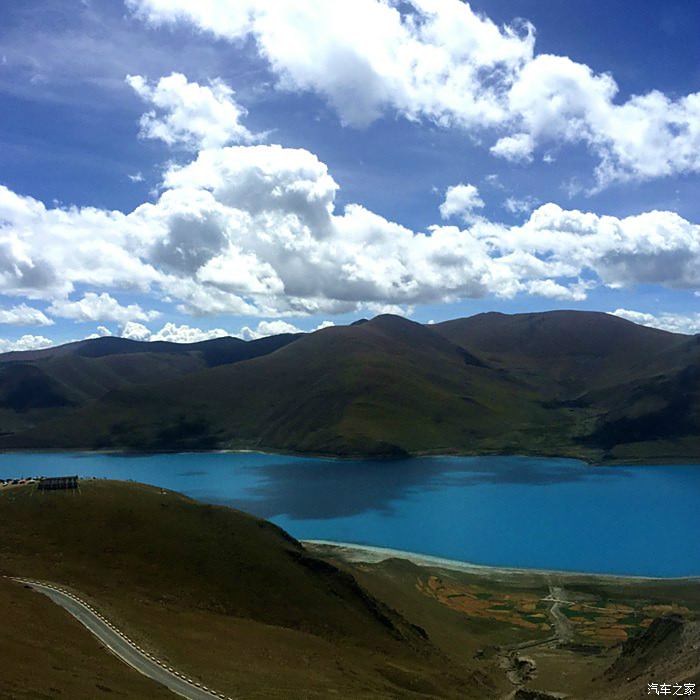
{"type": "Point", "coordinates": [566, 351]}
{"type": "Point", "coordinates": [667, 650]}
{"type": "Point", "coordinates": [216, 351]}
{"type": "Point", "coordinates": [383, 387]}
{"type": "Point", "coordinates": [568, 383]}
{"type": "Point", "coordinates": [34, 385]}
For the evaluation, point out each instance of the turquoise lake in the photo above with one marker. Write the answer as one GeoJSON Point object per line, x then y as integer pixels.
{"type": "Point", "coordinates": [502, 511]}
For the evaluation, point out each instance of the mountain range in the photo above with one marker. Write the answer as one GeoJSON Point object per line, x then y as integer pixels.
{"type": "Point", "coordinates": [570, 383]}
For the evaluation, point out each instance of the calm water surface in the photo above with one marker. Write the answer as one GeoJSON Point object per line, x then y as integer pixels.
{"type": "Point", "coordinates": [507, 511]}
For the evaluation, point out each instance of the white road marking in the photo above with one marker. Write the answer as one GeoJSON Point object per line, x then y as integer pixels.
{"type": "Point", "coordinates": [133, 647]}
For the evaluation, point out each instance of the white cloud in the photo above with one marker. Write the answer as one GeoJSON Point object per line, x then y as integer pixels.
{"type": "Point", "coordinates": [136, 177]}
{"type": "Point", "coordinates": [657, 247]}
{"type": "Point", "coordinates": [676, 323]}
{"type": "Point", "coordinates": [102, 332]}
{"type": "Point", "coordinates": [556, 99]}
{"type": "Point", "coordinates": [461, 200]}
{"type": "Point", "coordinates": [494, 181]}
{"type": "Point", "coordinates": [26, 342]}
{"type": "Point", "coordinates": [255, 230]}
{"type": "Point", "coordinates": [553, 290]}
{"type": "Point", "coordinates": [516, 149]}
{"type": "Point", "coordinates": [135, 331]}
{"type": "Point", "coordinates": [24, 315]}
{"type": "Point", "coordinates": [187, 113]}
{"type": "Point", "coordinates": [45, 252]}
{"type": "Point", "coordinates": [377, 308]}
{"type": "Point", "coordinates": [187, 334]}
{"type": "Point", "coordinates": [99, 307]}
{"type": "Point", "coordinates": [174, 333]}
{"type": "Point", "coordinates": [520, 205]}
{"type": "Point", "coordinates": [439, 60]}
{"type": "Point", "coordinates": [365, 56]}
{"type": "Point", "coordinates": [267, 328]}
{"type": "Point", "coordinates": [171, 332]}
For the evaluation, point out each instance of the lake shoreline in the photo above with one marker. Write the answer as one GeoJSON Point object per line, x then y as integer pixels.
{"type": "Point", "coordinates": [491, 511]}
{"type": "Point", "coordinates": [370, 554]}
{"type": "Point", "coordinates": [631, 462]}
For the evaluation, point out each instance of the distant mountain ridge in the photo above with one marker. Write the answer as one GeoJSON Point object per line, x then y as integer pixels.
{"type": "Point", "coordinates": [575, 383]}
{"type": "Point", "coordinates": [34, 383]}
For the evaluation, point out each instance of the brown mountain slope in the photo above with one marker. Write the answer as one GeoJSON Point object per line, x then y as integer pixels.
{"type": "Point", "coordinates": [558, 383]}
{"type": "Point", "coordinates": [667, 652]}
{"type": "Point", "coordinates": [38, 385]}
{"type": "Point", "coordinates": [567, 352]}
{"type": "Point", "coordinates": [383, 387]}
{"type": "Point", "coordinates": [222, 596]}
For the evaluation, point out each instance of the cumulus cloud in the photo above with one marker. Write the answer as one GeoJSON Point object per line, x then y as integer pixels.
{"type": "Point", "coordinates": [516, 149]}
{"type": "Point", "coordinates": [99, 307]}
{"type": "Point", "coordinates": [190, 114]}
{"type": "Point", "coordinates": [461, 200]}
{"type": "Point", "coordinates": [657, 247]}
{"type": "Point", "coordinates": [26, 342]}
{"type": "Point", "coordinates": [45, 252]}
{"type": "Point", "coordinates": [24, 315]}
{"type": "Point", "coordinates": [135, 331]}
{"type": "Point", "coordinates": [378, 308]}
{"type": "Point", "coordinates": [255, 230]}
{"type": "Point", "coordinates": [556, 99]}
{"type": "Point", "coordinates": [174, 333]}
{"type": "Point", "coordinates": [365, 56]}
{"type": "Point", "coordinates": [550, 289]}
{"type": "Point", "coordinates": [268, 328]}
{"type": "Point", "coordinates": [186, 334]}
{"type": "Point", "coordinates": [676, 323]}
{"type": "Point", "coordinates": [439, 60]}
{"type": "Point", "coordinates": [101, 332]}
{"type": "Point", "coordinates": [170, 332]}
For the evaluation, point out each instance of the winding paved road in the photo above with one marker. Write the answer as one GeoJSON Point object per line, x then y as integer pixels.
{"type": "Point", "coordinates": [560, 622]}
{"type": "Point", "coordinates": [123, 647]}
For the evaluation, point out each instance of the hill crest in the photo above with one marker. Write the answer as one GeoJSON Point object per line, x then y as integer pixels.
{"type": "Point", "coordinates": [573, 383]}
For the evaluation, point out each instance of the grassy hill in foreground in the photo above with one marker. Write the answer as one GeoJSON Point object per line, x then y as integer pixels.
{"type": "Point", "coordinates": [236, 603]}
{"type": "Point", "coordinates": [221, 595]}
{"type": "Point", "coordinates": [45, 653]}
{"type": "Point", "coordinates": [558, 383]}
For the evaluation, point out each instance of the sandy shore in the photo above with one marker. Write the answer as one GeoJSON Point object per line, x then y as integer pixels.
{"type": "Point", "coordinates": [371, 555]}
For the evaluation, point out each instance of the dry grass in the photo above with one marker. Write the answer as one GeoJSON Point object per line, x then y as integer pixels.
{"type": "Point", "coordinates": [47, 654]}
{"type": "Point", "coordinates": [222, 596]}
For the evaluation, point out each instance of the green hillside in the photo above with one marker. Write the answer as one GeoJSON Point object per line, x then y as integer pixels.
{"type": "Point", "coordinates": [637, 389]}
{"type": "Point", "coordinates": [229, 599]}
{"type": "Point", "coordinates": [38, 385]}
{"type": "Point", "coordinates": [559, 383]}
{"type": "Point", "coordinates": [237, 604]}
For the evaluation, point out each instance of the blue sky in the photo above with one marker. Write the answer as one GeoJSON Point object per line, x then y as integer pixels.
{"type": "Point", "coordinates": [570, 133]}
